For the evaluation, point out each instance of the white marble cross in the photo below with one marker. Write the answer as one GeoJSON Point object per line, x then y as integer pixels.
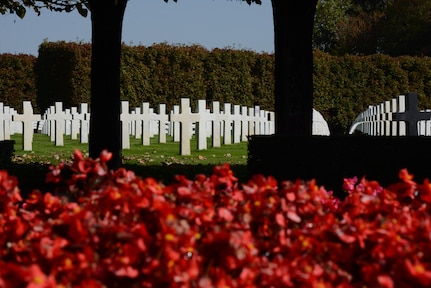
{"type": "Point", "coordinates": [200, 130]}
{"type": "Point", "coordinates": [162, 118]}
{"type": "Point", "coordinates": [227, 127]}
{"type": "Point", "coordinates": [68, 122]}
{"type": "Point", "coordinates": [58, 119]}
{"type": "Point", "coordinates": [251, 122]}
{"type": "Point", "coordinates": [236, 126]}
{"type": "Point", "coordinates": [2, 121]}
{"type": "Point", "coordinates": [145, 119]}
{"type": "Point", "coordinates": [216, 117]}
{"type": "Point", "coordinates": [125, 118]}
{"type": "Point", "coordinates": [138, 123]}
{"type": "Point", "coordinates": [85, 123]}
{"type": "Point", "coordinates": [74, 123]}
{"type": "Point", "coordinates": [27, 118]}
{"type": "Point", "coordinates": [186, 118]}
{"type": "Point", "coordinates": [175, 126]}
{"type": "Point", "coordinates": [244, 123]}
{"type": "Point", "coordinates": [5, 122]}
{"type": "Point", "coordinates": [51, 123]}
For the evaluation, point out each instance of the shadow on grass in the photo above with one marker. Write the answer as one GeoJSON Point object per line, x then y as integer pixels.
{"type": "Point", "coordinates": [166, 173]}
{"type": "Point", "coordinates": [32, 176]}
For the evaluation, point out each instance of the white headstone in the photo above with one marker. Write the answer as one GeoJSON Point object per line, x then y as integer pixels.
{"type": "Point", "coordinates": [162, 119]}
{"type": "Point", "coordinates": [320, 126]}
{"type": "Point", "coordinates": [75, 123]}
{"type": "Point", "coordinates": [6, 119]}
{"type": "Point", "coordinates": [175, 126]}
{"type": "Point", "coordinates": [146, 123]}
{"type": "Point", "coordinates": [216, 118]}
{"type": "Point", "coordinates": [138, 123]}
{"type": "Point", "coordinates": [244, 123]}
{"type": "Point", "coordinates": [85, 123]}
{"type": "Point", "coordinates": [59, 118]}
{"type": "Point", "coordinates": [2, 121]}
{"type": "Point", "coordinates": [251, 121]}
{"type": "Point", "coordinates": [236, 126]}
{"type": "Point", "coordinates": [186, 118]}
{"type": "Point", "coordinates": [125, 118]}
{"type": "Point", "coordinates": [201, 122]}
{"type": "Point", "coordinates": [227, 131]}
{"type": "Point", "coordinates": [67, 122]}
{"type": "Point", "coordinates": [28, 119]}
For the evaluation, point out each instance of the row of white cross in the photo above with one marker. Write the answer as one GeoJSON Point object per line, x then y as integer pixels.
{"type": "Point", "coordinates": [396, 117]}
{"type": "Point", "coordinates": [232, 124]}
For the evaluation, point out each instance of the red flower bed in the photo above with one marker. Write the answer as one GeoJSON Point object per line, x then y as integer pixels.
{"type": "Point", "coordinates": [105, 228]}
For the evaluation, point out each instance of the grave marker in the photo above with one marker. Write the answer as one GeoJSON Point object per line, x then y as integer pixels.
{"type": "Point", "coordinates": [85, 123]}
{"type": "Point", "coordinates": [244, 123]}
{"type": "Point", "coordinates": [227, 127]}
{"type": "Point", "coordinates": [186, 119]}
{"type": "Point", "coordinates": [200, 130]}
{"type": "Point", "coordinates": [6, 119]}
{"type": "Point", "coordinates": [138, 123]}
{"type": "Point", "coordinates": [410, 113]}
{"type": "Point", "coordinates": [27, 118]}
{"type": "Point", "coordinates": [236, 126]}
{"type": "Point", "coordinates": [162, 119]}
{"type": "Point", "coordinates": [75, 123]}
{"type": "Point", "coordinates": [58, 118]}
{"type": "Point", "coordinates": [216, 124]}
{"type": "Point", "coordinates": [125, 118]}
{"type": "Point", "coordinates": [175, 126]}
{"type": "Point", "coordinates": [145, 119]}
{"type": "Point", "coordinates": [2, 121]}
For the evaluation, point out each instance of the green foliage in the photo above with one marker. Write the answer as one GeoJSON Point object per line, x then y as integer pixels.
{"type": "Point", "coordinates": [17, 82]}
{"type": "Point", "coordinates": [63, 74]}
{"type": "Point", "coordinates": [406, 28]}
{"type": "Point", "coordinates": [160, 73]}
{"type": "Point", "coordinates": [229, 78]}
{"type": "Point", "coordinates": [347, 85]}
{"type": "Point", "coordinates": [344, 86]}
{"type": "Point", "coordinates": [20, 7]}
{"type": "Point", "coordinates": [330, 15]}
{"type": "Point", "coordinates": [367, 27]}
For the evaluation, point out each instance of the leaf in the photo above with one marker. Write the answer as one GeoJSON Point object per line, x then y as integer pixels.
{"type": "Point", "coordinates": [83, 11]}
{"type": "Point", "coordinates": [279, 218]}
{"type": "Point", "coordinates": [344, 237]}
{"type": "Point", "coordinates": [20, 11]}
{"type": "Point", "coordinates": [293, 216]}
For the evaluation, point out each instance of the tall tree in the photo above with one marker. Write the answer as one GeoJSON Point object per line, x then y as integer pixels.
{"type": "Point", "coordinates": [406, 29]}
{"type": "Point", "coordinates": [293, 30]}
{"type": "Point", "coordinates": [105, 125]}
{"type": "Point", "coordinates": [328, 24]}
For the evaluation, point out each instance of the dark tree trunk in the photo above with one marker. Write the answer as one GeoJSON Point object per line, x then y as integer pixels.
{"type": "Point", "coordinates": [293, 30]}
{"type": "Point", "coordinates": [105, 128]}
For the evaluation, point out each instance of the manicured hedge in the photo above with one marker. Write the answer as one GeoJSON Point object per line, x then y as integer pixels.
{"type": "Point", "coordinates": [63, 74]}
{"type": "Point", "coordinates": [344, 86]}
{"type": "Point", "coordinates": [17, 80]}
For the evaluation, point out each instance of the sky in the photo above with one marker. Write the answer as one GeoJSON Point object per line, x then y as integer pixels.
{"type": "Point", "coordinates": [209, 23]}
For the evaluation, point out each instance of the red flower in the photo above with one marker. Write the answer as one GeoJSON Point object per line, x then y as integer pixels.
{"type": "Point", "coordinates": [418, 271]}
{"type": "Point", "coordinates": [37, 279]}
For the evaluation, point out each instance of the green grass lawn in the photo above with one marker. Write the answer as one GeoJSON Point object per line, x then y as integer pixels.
{"type": "Point", "coordinates": [160, 161]}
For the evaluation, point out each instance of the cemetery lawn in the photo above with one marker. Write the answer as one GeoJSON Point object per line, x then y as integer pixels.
{"type": "Point", "coordinates": [160, 161]}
